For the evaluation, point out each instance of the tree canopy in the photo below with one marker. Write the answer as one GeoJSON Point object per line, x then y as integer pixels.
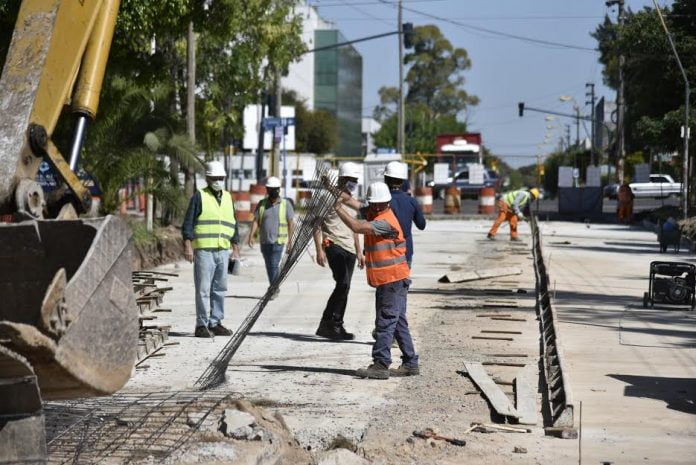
{"type": "Point", "coordinates": [435, 97]}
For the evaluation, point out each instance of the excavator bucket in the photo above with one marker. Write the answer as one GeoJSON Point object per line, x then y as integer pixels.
{"type": "Point", "coordinates": [67, 308]}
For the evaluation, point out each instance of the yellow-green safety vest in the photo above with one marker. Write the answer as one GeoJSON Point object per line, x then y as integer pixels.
{"type": "Point", "coordinates": [509, 198]}
{"type": "Point", "coordinates": [214, 227]}
{"type": "Point", "coordinates": [282, 219]}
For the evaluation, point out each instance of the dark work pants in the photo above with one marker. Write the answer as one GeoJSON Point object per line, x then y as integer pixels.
{"type": "Point", "coordinates": [342, 264]}
{"type": "Point", "coordinates": [391, 323]}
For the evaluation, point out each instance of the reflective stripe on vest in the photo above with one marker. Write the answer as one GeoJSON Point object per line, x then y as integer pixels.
{"type": "Point", "coordinates": [214, 227]}
{"type": "Point", "coordinates": [509, 198]}
{"type": "Point", "coordinates": [282, 218]}
{"type": "Point", "coordinates": [385, 259]}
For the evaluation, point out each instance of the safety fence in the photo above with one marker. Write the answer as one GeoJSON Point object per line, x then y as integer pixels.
{"type": "Point", "coordinates": [558, 393]}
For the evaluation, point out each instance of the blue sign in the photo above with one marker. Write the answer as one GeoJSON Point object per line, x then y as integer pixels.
{"type": "Point", "coordinates": [273, 122]}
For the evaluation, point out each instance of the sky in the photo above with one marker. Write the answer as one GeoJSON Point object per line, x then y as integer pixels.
{"type": "Point", "coordinates": [504, 70]}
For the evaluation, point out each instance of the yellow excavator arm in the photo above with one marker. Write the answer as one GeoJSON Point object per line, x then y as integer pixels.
{"type": "Point", "coordinates": [68, 319]}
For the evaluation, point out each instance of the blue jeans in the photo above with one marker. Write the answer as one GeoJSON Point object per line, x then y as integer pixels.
{"type": "Point", "coordinates": [210, 277]}
{"type": "Point", "coordinates": [272, 254]}
{"type": "Point", "coordinates": [391, 324]}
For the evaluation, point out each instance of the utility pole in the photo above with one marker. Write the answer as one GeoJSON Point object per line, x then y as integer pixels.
{"type": "Point", "coordinates": [685, 130]}
{"type": "Point", "coordinates": [273, 163]}
{"type": "Point", "coordinates": [567, 127]}
{"type": "Point", "coordinates": [577, 126]}
{"type": "Point", "coordinates": [190, 99]}
{"type": "Point", "coordinates": [591, 94]}
{"type": "Point", "coordinates": [401, 133]}
{"type": "Point", "coordinates": [262, 132]}
{"type": "Point", "coordinates": [620, 101]}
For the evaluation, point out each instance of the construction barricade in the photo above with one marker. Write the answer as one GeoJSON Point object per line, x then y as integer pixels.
{"type": "Point", "coordinates": [486, 201]}
{"type": "Point", "coordinates": [452, 200]}
{"type": "Point", "coordinates": [424, 197]}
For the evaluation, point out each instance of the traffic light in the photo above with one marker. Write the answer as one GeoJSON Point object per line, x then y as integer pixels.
{"type": "Point", "coordinates": [407, 30]}
{"type": "Point", "coordinates": [520, 108]}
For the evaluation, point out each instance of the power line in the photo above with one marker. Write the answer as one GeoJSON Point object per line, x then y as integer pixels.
{"type": "Point", "coordinates": [372, 3]}
{"type": "Point", "coordinates": [492, 31]}
{"type": "Point", "coordinates": [489, 18]}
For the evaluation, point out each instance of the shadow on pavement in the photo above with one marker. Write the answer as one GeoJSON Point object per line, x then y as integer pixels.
{"type": "Point", "coordinates": [333, 371]}
{"type": "Point", "coordinates": [250, 297]}
{"type": "Point", "coordinates": [304, 337]}
{"type": "Point", "coordinates": [678, 393]}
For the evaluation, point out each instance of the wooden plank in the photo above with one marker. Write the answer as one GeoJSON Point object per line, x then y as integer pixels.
{"type": "Point", "coordinates": [508, 319]}
{"type": "Point", "coordinates": [493, 393]}
{"type": "Point", "coordinates": [526, 394]}
{"type": "Point", "coordinates": [487, 315]}
{"type": "Point", "coordinates": [493, 338]}
{"type": "Point", "coordinates": [493, 331]}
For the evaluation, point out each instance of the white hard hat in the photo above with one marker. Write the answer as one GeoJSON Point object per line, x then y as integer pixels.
{"type": "Point", "coordinates": [349, 170]}
{"type": "Point", "coordinates": [396, 169]}
{"type": "Point", "coordinates": [214, 169]}
{"type": "Point", "coordinates": [378, 192]}
{"type": "Point", "coordinates": [272, 182]}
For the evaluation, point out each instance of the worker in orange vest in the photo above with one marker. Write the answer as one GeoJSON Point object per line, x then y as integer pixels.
{"type": "Point", "coordinates": [388, 272]}
{"type": "Point", "coordinates": [624, 209]}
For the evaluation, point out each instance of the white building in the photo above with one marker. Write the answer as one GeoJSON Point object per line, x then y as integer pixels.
{"type": "Point", "coordinates": [369, 127]}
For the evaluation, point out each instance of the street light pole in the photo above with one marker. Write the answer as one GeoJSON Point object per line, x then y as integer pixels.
{"type": "Point", "coordinates": [620, 101]}
{"type": "Point", "coordinates": [401, 133]}
{"type": "Point", "coordinates": [687, 95]}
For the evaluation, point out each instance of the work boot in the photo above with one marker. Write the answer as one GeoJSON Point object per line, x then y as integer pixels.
{"type": "Point", "coordinates": [328, 330]}
{"type": "Point", "coordinates": [374, 371]}
{"type": "Point", "coordinates": [491, 237]}
{"type": "Point", "coordinates": [220, 330]}
{"type": "Point", "coordinates": [404, 370]}
{"type": "Point", "coordinates": [202, 331]}
{"type": "Point", "coordinates": [515, 239]}
{"type": "Point", "coordinates": [274, 294]}
{"type": "Point", "coordinates": [344, 335]}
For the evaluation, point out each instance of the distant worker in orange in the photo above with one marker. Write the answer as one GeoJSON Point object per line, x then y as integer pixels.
{"type": "Point", "coordinates": [624, 210]}
{"type": "Point", "coordinates": [510, 209]}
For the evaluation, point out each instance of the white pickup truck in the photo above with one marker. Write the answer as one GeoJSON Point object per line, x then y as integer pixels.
{"type": "Point", "coordinates": [660, 185]}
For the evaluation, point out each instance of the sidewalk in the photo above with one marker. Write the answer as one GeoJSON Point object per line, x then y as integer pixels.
{"type": "Point", "coordinates": [634, 369]}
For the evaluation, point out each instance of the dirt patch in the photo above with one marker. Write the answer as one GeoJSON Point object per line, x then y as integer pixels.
{"type": "Point", "coordinates": [160, 247]}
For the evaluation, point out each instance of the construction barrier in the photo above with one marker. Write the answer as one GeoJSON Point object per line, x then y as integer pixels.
{"type": "Point", "coordinates": [452, 200]}
{"type": "Point", "coordinates": [486, 201]}
{"type": "Point", "coordinates": [303, 198]}
{"type": "Point", "coordinates": [256, 193]}
{"type": "Point", "coordinates": [424, 197]}
{"type": "Point", "coordinates": [242, 206]}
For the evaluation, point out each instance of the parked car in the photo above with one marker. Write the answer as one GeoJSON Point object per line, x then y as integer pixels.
{"type": "Point", "coordinates": [611, 191]}
{"type": "Point", "coordinates": [461, 180]}
{"type": "Point", "coordinates": [659, 186]}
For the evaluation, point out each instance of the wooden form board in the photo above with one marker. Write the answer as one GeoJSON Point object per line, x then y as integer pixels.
{"type": "Point", "coordinates": [493, 393]}
{"type": "Point", "coordinates": [526, 394]}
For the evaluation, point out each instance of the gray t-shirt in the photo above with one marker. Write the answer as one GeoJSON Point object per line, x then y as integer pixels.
{"type": "Point", "coordinates": [383, 228]}
{"type": "Point", "coordinates": [270, 223]}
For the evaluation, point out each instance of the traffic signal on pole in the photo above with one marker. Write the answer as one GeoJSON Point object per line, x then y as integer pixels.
{"type": "Point", "coordinates": [520, 108]}
{"type": "Point", "coordinates": [407, 30]}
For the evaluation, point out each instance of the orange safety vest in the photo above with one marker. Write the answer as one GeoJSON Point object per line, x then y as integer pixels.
{"type": "Point", "coordinates": [385, 259]}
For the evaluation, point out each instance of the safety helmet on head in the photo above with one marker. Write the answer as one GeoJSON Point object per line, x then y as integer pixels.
{"type": "Point", "coordinates": [214, 169]}
{"type": "Point", "coordinates": [396, 169]}
{"type": "Point", "coordinates": [272, 183]}
{"type": "Point", "coordinates": [535, 192]}
{"type": "Point", "coordinates": [378, 192]}
{"type": "Point", "coordinates": [349, 170]}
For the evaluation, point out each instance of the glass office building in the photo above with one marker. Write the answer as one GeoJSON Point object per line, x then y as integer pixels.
{"type": "Point", "coordinates": [338, 89]}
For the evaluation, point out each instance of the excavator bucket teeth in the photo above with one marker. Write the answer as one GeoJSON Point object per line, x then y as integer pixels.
{"type": "Point", "coordinates": [67, 305]}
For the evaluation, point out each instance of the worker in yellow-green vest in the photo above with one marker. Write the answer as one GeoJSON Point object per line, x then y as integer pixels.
{"type": "Point", "coordinates": [274, 221]}
{"type": "Point", "coordinates": [210, 231]}
{"type": "Point", "coordinates": [511, 208]}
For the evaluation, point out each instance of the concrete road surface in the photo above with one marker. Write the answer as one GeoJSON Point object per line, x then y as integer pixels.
{"type": "Point", "coordinates": [634, 369]}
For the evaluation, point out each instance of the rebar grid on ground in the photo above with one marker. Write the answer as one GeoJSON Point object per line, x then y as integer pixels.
{"type": "Point", "coordinates": [318, 207]}
{"type": "Point", "coordinates": [127, 427]}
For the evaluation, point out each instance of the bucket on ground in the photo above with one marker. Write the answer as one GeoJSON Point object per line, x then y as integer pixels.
{"type": "Point", "coordinates": [486, 201]}
{"type": "Point", "coordinates": [452, 200]}
{"type": "Point", "coordinates": [424, 197]}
